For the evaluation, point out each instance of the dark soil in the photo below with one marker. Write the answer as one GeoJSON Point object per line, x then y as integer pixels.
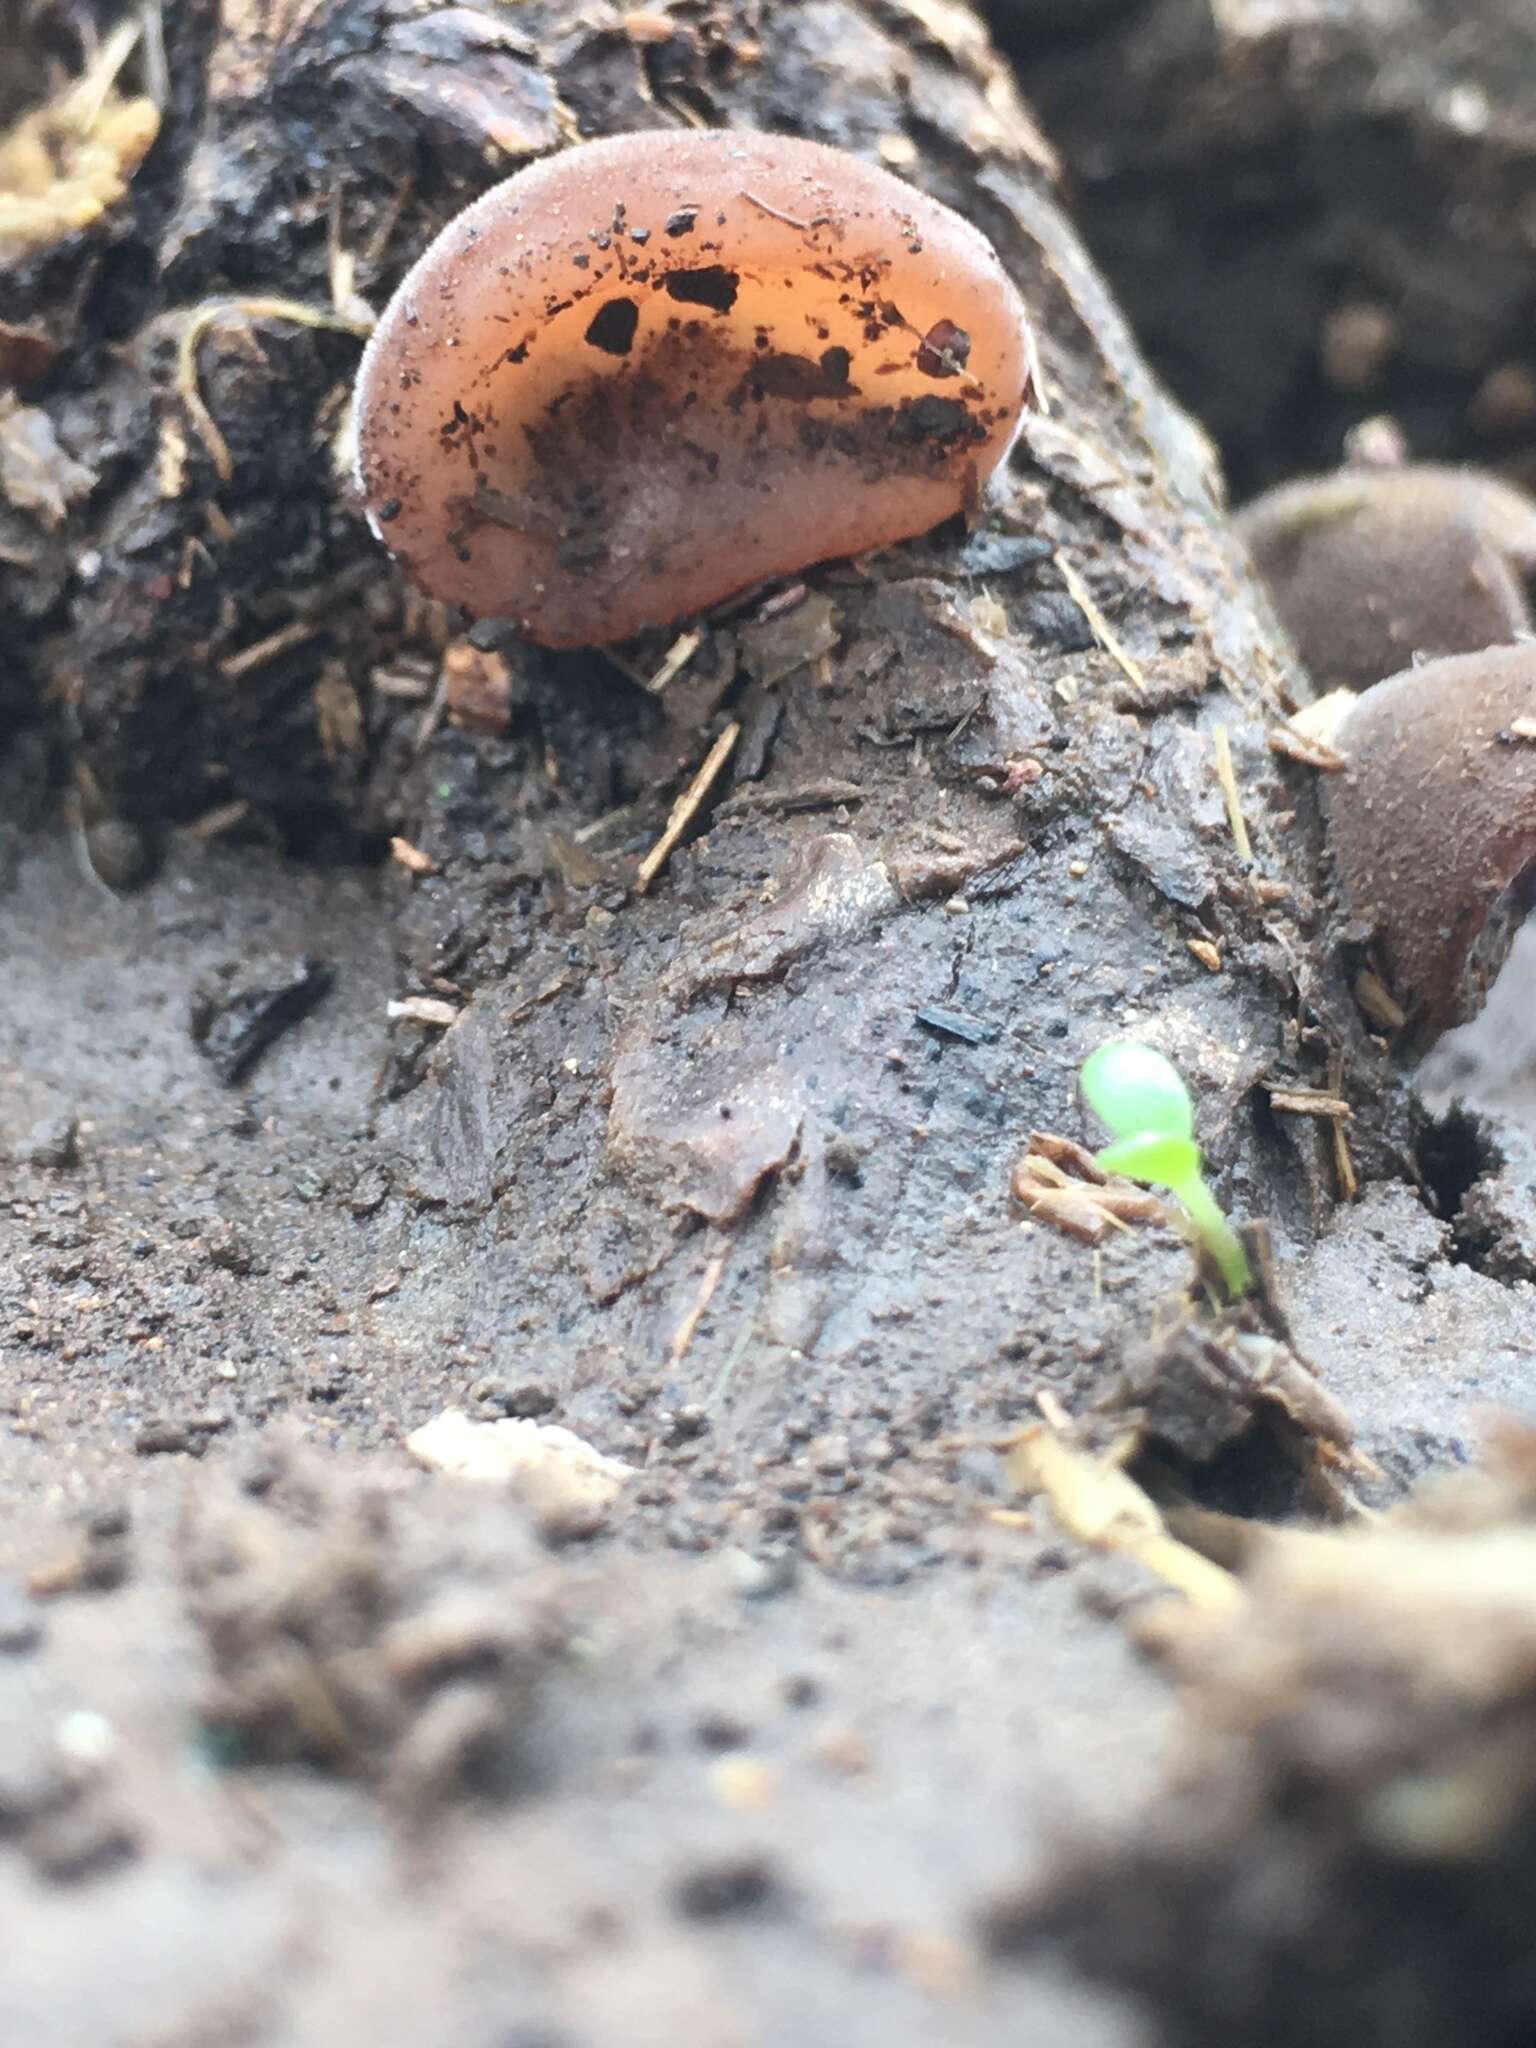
{"type": "Point", "coordinates": [1308, 212]}
{"type": "Point", "coordinates": [741, 1793]}
{"type": "Point", "coordinates": [743, 1799]}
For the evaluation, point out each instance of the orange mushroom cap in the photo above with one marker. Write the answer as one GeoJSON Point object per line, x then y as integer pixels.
{"type": "Point", "coordinates": [649, 372]}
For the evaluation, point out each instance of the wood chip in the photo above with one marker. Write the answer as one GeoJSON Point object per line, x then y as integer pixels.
{"type": "Point", "coordinates": [422, 1010]}
{"type": "Point", "coordinates": [411, 858]}
{"type": "Point", "coordinates": [804, 796]}
{"type": "Point", "coordinates": [1068, 1154]}
{"type": "Point", "coordinates": [260, 652]}
{"type": "Point", "coordinates": [1378, 1002]}
{"type": "Point", "coordinates": [221, 819]}
{"type": "Point", "coordinates": [1309, 1102]}
{"type": "Point", "coordinates": [989, 617]}
{"type": "Point", "coordinates": [1088, 1208]}
{"type": "Point", "coordinates": [679, 654]}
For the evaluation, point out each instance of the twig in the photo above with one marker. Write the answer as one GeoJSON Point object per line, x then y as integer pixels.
{"type": "Point", "coordinates": [260, 652]}
{"type": "Point", "coordinates": [679, 654]}
{"type": "Point", "coordinates": [1310, 1102]}
{"type": "Point", "coordinates": [1098, 625]}
{"type": "Point", "coordinates": [1343, 1164]}
{"type": "Point", "coordinates": [1227, 777]}
{"type": "Point", "coordinates": [687, 805]}
{"type": "Point", "coordinates": [683, 1335]}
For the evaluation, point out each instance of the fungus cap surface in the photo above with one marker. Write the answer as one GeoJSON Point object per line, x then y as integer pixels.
{"type": "Point", "coordinates": [1370, 568]}
{"type": "Point", "coordinates": [1434, 825]}
{"type": "Point", "coordinates": [651, 371]}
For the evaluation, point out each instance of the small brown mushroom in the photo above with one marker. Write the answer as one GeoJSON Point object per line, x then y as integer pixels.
{"type": "Point", "coordinates": [1434, 826]}
{"type": "Point", "coordinates": [649, 372]}
{"type": "Point", "coordinates": [1370, 569]}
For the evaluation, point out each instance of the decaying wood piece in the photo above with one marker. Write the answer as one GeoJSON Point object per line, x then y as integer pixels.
{"type": "Point", "coordinates": [1068, 820]}
{"type": "Point", "coordinates": [715, 1171]}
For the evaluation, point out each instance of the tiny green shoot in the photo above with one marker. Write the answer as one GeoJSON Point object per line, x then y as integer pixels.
{"type": "Point", "coordinates": [1139, 1095]}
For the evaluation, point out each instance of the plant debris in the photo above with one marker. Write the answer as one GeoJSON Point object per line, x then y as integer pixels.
{"type": "Point", "coordinates": [64, 165]}
{"type": "Point", "coordinates": [237, 1015]}
{"type": "Point", "coordinates": [1096, 1501]}
{"type": "Point", "coordinates": [1344, 1855]}
{"type": "Point", "coordinates": [954, 1024]}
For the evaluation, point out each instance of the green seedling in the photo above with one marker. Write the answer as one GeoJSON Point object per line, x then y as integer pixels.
{"type": "Point", "coordinates": [1139, 1095]}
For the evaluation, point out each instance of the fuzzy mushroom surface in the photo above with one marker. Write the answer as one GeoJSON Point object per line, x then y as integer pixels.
{"type": "Point", "coordinates": [647, 373]}
{"type": "Point", "coordinates": [1434, 826]}
{"type": "Point", "coordinates": [1370, 568]}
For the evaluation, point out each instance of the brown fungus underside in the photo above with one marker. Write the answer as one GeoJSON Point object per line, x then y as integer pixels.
{"type": "Point", "coordinates": [1434, 826]}
{"type": "Point", "coordinates": [652, 371]}
{"type": "Point", "coordinates": [1369, 569]}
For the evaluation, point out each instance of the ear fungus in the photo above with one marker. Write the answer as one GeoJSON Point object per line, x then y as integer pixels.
{"type": "Point", "coordinates": [651, 371]}
{"type": "Point", "coordinates": [1434, 826]}
{"type": "Point", "coordinates": [1372, 569]}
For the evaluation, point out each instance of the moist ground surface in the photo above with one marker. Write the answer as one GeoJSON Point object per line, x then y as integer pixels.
{"type": "Point", "coordinates": [746, 1801]}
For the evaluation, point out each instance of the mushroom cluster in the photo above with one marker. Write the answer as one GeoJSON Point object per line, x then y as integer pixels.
{"type": "Point", "coordinates": [1408, 586]}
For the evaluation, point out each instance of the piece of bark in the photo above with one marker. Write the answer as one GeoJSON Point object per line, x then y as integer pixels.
{"type": "Point", "coordinates": [1026, 710]}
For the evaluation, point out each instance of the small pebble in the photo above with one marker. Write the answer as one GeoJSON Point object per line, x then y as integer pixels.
{"type": "Point", "coordinates": [1054, 616]}
{"type": "Point", "coordinates": [122, 854]}
{"type": "Point", "coordinates": [165, 1435]}
{"type": "Point", "coordinates": [715, 1889]}
{"type": "Point", "coordinates": [526, 1400]}
{"type": "Point", "coordinates": [718, 1730]}
{"type": "Point", "coordinates": [762, 1577]}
